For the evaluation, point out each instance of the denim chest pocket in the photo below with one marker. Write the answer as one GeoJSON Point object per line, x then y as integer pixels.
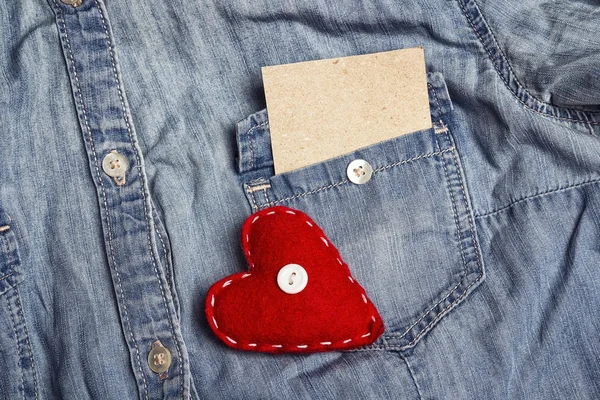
{"type": "Point", "coordinates": [407, 233]}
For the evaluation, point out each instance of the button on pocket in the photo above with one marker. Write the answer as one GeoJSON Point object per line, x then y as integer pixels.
{"type": "Point", "coordinates": [359, 172]}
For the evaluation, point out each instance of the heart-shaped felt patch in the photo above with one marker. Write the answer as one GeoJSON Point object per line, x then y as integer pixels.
{"type": "Point", "coordinates": [298, 294]}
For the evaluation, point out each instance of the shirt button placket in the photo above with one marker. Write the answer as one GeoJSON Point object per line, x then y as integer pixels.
{"type": "Point", "coordinates": [145, 304]}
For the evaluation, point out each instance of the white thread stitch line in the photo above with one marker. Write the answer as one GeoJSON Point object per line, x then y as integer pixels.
{"type": "Point", "coordinates": [290, 212]}
{"type": "Point", "coordinates": [212, 301]}
{"type": "Point", "coordinates": [252, 344]}
{"type": "Point", "coordinates": [364, 298]}
{"type": "Point", "coordinates": [247, 238]}
{"type": "Point", "coordinates": [302, 346]}
{"type": "Point", "coordinates": [366, 334]}
{"type": "Point", "coordinates": [374, 171]}
{"type": "Point", "coordinates": [373, 318]}
{"type": "Point", "coordinates": [437, 153]}
{"type": "Point", "coordinates": [255, 218]}
{"type": "Point", "coordinates": [324, 241]}
{"type": "Point", "coordinates": [347, 340]}
{"type": "Point", "coordinates": [339, 261]}
{"type": "Point", "coordinates": [245, 275]}
{"type": "Point", "coordinates": [231, 340]}
{"type": "Point", "coordinates": [309, 224]}
{"type": "Point", "coordinates": [351, 280]}
{"type": "Point", "coordinates": [277, 346]}
{"type": "Point", "coordinates": [215, 322]}
{"type": "Point", "coordinates": [325, 343]}
{"type": "Point", "coordinates": [227, 283]}
{"type": "Point", "coordinates": [271, 213]}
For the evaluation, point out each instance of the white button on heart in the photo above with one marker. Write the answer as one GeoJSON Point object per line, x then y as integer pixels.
{"type": "Point", "coordinates": [292, 278]}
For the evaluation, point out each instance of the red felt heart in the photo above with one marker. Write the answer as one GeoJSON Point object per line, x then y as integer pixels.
{"type": "Point", "coordinates": [250, 311]}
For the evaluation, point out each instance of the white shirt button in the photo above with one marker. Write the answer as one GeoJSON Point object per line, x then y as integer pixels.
{"type": "Point", "coordinates": [159, 358]}
{"type": "Point", "coordinates": [359, 172]}
{"type": "Point", "coordinates": [292, 278]}
{"type": "Point", "coordinates": [115, 165]}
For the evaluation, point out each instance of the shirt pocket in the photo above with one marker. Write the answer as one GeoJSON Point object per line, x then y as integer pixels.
{"type": "Point", "coordinates": [407, 234]}
{"type": "Point", "coordinates": [16, 357]}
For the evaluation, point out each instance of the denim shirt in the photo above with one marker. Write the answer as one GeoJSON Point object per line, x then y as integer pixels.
{"type": "Point", "coordinates": [477, 240]}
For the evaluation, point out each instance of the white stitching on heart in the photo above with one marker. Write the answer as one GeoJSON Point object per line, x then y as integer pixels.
{"type": "Point", "coordinates": [231, 340]}
{"type": "Point", "coordinates": [279, 346]}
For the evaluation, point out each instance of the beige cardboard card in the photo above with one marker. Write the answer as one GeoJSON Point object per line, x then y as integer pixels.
{"type": "Point", "coordinates": [325, 108]}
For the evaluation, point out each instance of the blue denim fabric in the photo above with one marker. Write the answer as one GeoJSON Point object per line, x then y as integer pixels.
{"type": "Point", "coordinates": [476, 239]}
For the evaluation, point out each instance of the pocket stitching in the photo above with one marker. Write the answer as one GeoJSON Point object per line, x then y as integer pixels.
{"type": "Point", "coordinates": [377, 170]}
{"type": "Point", "coordinates": [443, 312]}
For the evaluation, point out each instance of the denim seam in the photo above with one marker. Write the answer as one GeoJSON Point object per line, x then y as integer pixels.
{"type": "Point", "coordinates": [514, 76]}
{"type": "Point", "coordinates": [28, 341]}
{"type": "Point", "coordinates": [454, 214]}
{"type": "Point", "coordinates": [252, 199]}
{"type": "Point", "coordinates": [162, 243]}
{"type": "Point", "coordinates": [379, 347]}
{"type": "Point", "coordinates": [463, 274]}
{"type": "Point", "coordinates": [469, 217]}
{"type": "Point", "coordinates": [537, 195]}
{"type": "Point", "coordinates": [437, 101]}
{"type": "Point", "coordinates": [250, 142]}
{"type": "Point", "coordinates": [466, 291]}
{"type": "Point", "coordinates": [107, 214]}
{"type": "Point", "coordinates": [6, 276]}
{"type": "Point", "coordinates": [144, 197]}
{"type": "Point", "coordinates": [380, 169]}
{"type": "Point", "coordinates": [477, 257]}
{"type": "Point", "coordinates": [6, 245]}
{"type": "Point", "coordinates": [14, 326]}
{"type": "Point", "coordinates": [412, 376]}
{"type": "Point", "coordinates": [400, 336]}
